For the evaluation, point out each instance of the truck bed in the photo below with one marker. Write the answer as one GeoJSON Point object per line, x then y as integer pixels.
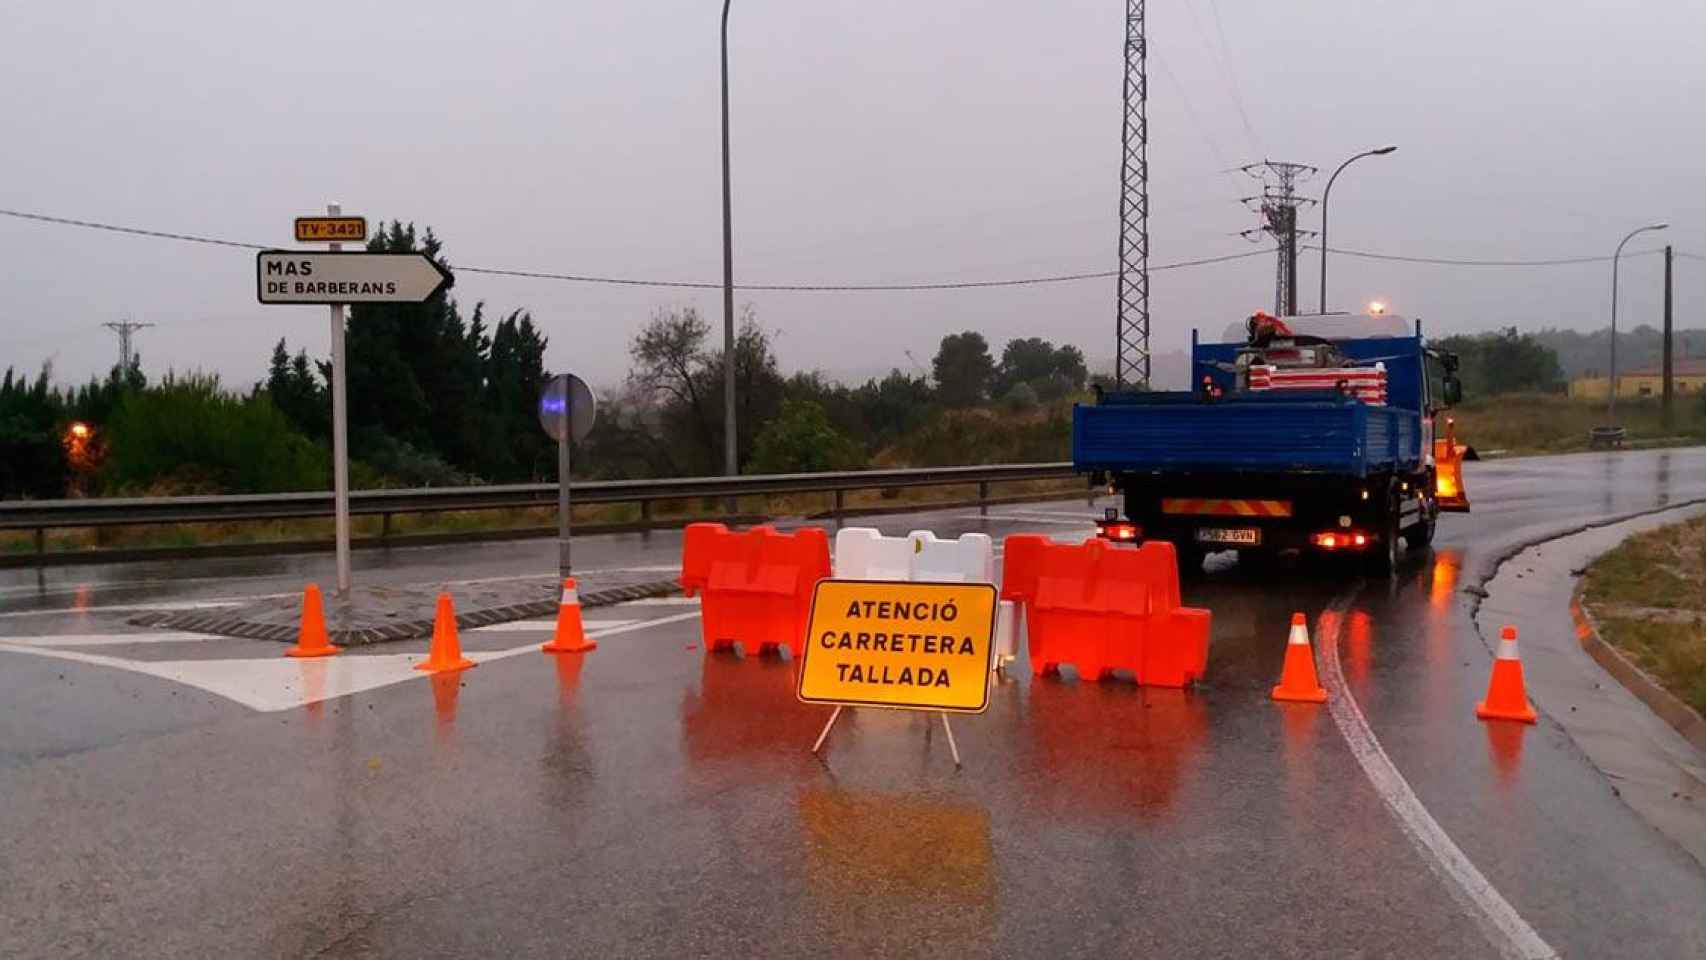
{"type": "Point", "coordinates": [1293, 432]}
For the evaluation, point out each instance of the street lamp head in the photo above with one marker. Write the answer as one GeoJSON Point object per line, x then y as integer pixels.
{"type": "Point", "coordinates": [1659, 226]}
{"type": "Point", "coordinates": [1383, 151]}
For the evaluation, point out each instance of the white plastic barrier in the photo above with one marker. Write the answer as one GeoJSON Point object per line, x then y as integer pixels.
{"type": "Point", "coordinates": [1006, 632]}
{"type": "Point", "coordinates": [970, 559]}
{"type": "Point", "coordinates": [862, 553]}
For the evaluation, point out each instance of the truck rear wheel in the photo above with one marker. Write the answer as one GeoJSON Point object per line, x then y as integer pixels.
{"type": "Point", "coordinates": [1190, 560]}
{"type": "Point", "coordinates": [1419, 536]}
{"type": "Point", "coordinates": [1382, 557]}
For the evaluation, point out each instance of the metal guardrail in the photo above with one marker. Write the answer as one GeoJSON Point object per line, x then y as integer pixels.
{"type": "Point", "coordinates": [43, 515]}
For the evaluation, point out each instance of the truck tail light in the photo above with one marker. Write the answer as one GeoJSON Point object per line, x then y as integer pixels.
{"type": "Point", "coordinates": [1340, 540]}
{"type": "Point", "coordinates": [1119, 531]}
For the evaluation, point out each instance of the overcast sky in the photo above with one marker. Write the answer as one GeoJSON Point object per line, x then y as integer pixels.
{"type": "Point", "coordinates": [877, 141]}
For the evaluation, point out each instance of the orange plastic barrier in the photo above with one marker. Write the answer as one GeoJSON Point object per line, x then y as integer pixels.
{"type": "Point", "coordinates": [757, 584]}
{"type": "Point", "coordinates": [1102, 607]}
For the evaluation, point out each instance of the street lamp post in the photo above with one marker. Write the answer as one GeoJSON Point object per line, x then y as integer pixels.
{"type": "Point", "coordinates": [1611, 381]}
{"type": "Point", "coordinates": [730, 466]}
{"type": "Point", "coordinates": [1325, 194]}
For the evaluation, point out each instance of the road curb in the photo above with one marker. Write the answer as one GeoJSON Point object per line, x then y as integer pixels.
{"type": "Point", "coordinates": [228, 625]}
{"type": "Point", "coordinates": [1669, 708]}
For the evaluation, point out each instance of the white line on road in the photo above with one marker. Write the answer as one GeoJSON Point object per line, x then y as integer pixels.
{"type": "Point", "coordinates": [110, 639]}
{"type": "Point", "coordinates": [1513, 936]}
{"type": "Point", "coordinates": [279, 683]}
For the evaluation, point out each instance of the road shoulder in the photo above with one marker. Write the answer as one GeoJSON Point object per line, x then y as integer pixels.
{"type": "Point", "coordinates": [1652, 767]}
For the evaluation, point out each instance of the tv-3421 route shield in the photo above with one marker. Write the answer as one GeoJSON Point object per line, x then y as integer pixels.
{"type": "Point", "coordinates": [355, 276]}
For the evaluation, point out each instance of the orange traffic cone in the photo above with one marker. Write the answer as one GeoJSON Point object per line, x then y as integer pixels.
{"type": "Point", "coordinates": [571, 636]}
{"type": "Point", "coordinates": [1506, 699]}
{"type": "Point", "coordinates": [1297, 680]}
{"type": "Point", "coordinates": [445, 654]}
{"type": "Point", "coordinates": [312, 640]}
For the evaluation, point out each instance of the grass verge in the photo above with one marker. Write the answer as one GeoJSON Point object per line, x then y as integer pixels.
{"type": "Point", "coordinates": [1649, 597]}
{"type": "Point", "coordinates": [1529, 423]}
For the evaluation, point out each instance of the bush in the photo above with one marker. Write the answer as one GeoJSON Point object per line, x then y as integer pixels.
{"type": "Point", "coordinates": [32, 461]}
{"type": "Point", "coordinates": [191, 434]}
{"type": "Point", "coordinates": [1020, 398]}
{"type": "Point", "coordinates": [801, 440]}
{"type": "Point", "coordinates": [379, 460]}
{"type": "Point", "coordinates": [965, 437]}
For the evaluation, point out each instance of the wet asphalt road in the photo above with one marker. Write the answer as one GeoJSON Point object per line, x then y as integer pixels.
{"type": "Point", "coordinates": [647, 800]}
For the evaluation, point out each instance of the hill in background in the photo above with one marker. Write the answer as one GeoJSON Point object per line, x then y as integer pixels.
{"type": "Point", "coordinates": [1588, 354]}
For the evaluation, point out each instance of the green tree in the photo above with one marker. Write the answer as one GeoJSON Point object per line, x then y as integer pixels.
{"type": "Point", "coordinates": [32, 457]}
{"type": "Point", "coordinates": [414, 368]}
{"type": "Point", "coordinates": [513, 445]}
{"type": "Point", "coordinates": [839, 403]}
{"type": "Point", "coordinates": [1070, 371]}
{"type": "Point", "coordinates": [1050, 372]}
{"type": "Point", "coordinates": [894, 405]}
{"type": "Point", "coordinates": [800, 439]}
{"type": "Point", "coordinates": [682, 382]}
{"type": "Point", "coordinates": [1504, 362]}
{"type": "Point", "coordinates": [1025, 360]}
{"type": "Point", "coordinates": [296, 392]}
{"type": "Point", "coordinates": [963, 369]}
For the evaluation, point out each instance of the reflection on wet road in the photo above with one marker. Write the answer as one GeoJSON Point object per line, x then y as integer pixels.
{"type": "Point", "coordinates": [648, 799]}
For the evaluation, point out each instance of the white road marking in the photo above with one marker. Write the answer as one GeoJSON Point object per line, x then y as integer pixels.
{"type": "Point", "coordinates": [1512, 935]}
{"type": "Point", "coordinates": [279, 683]}
{"type": "Point", "coordinates": [668, 601]}
{"type": "Point", "coordinates": [166, 606]}
{"type": "Point", "coordinates": [110, 639]}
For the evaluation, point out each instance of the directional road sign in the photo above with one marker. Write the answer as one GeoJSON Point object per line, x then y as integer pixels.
{"type": "Point", "coordinates": [331, 229]}
{"type": "Point", "coordinates": [300, 276]}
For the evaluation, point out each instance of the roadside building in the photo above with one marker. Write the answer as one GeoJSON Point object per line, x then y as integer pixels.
{"type": "Point", "coordinates": [1688, 375]}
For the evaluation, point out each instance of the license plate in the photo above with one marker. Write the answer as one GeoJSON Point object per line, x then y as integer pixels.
{"type": "Point", "coordinates": [1242, 535]}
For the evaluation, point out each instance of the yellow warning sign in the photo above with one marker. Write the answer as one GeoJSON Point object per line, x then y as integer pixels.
{"type": "Point", "coordinates": [916, 646]}
{"type": "Point", "coordinates": [331, 229]}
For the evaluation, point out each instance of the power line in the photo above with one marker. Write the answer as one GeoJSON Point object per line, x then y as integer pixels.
{"type": "Point", "coordinates": [1218, 56]}
{"type": "Point", "coordinates": [1191, 111]}
{"type": "Point", "coordinates": [1462, 262]}
{"type": "Point", "coordinates": [857, 287]}
{"type": "Point", "coordinates": [668, 284]}
{"type": "Point", "coordinates": [135, 231]}
{"type": "Point", "coordinates": [1226, 62]}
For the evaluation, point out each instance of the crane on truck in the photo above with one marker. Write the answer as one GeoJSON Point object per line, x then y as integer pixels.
{"type": "Point", "coordinates": [1309, 433]}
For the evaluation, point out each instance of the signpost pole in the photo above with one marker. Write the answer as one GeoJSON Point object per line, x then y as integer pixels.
{"type": "Point", "coordinates": [563, 566]}
{"type": "Point", "coordinates": [340, 435]}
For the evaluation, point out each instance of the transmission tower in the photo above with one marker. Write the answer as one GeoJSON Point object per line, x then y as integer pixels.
{"type": "Point", "coordinates": [125, 328]}
{"type": "Point", "coordinates": [1131, 323]}
{"type": "Point", "coordinates": [1277, 206]}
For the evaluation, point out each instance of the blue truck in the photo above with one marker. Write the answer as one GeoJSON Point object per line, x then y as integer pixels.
{"type": "Point", "coordinates": [1311, 433]}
